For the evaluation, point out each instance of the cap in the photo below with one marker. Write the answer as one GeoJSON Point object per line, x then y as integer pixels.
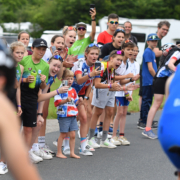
{"type": "Point", "coordinates": [153, 37]}
{"type": "Point", "coordinates": [39, 43]}
{"type": "Point", "coordinates": [81, 24]}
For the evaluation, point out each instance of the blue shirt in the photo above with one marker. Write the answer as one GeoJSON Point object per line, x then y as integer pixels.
{"type": "Point", "coordinates": [148, 56]}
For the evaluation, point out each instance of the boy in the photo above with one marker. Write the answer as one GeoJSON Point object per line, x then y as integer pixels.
{"type": "Point", "coordinates": [149, 69]}
{"type": "Point", "coordinates": [67, 111]}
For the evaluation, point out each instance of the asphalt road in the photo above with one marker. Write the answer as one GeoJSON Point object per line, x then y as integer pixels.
{"type": "Point", "coordinates": [142, 160]}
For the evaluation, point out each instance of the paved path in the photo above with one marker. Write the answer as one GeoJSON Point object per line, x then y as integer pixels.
{"type": "Point", "coordinates": [142, 160]}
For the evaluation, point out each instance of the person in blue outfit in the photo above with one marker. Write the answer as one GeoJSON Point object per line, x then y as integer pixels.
{"type": "Point", "coordinates": [168, 131]}
{"type": "Point", "coordinates": [149, 69]}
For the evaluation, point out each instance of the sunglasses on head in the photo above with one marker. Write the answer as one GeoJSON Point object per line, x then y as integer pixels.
{"type": "Point", "coordinates": [120, 30]}
{"type": "Point", "coordinates": [81, 28]}
{"type": "Point", "coordinates": [70, 28]}
{"type": "Point", "coordinates": [57, 57]}
{"type": "Point", "coordinates": [114, 22]}
{"type": "Point", "coordinates": [127, 41]}
{"type": "Point", "coordinates": [153, 37]}
{"type": "Point", "coordinates": [93, 44]}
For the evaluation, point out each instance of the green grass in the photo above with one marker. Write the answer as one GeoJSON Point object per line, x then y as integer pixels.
{"type": "Point", "coordinates": [133, 107]}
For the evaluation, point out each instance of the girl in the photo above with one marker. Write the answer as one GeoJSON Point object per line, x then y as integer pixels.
{"type": "Point", "coordinates": [24, 37]}
{"type": "Point", "coordinates": [106, 96]}
{"type": "Point", "coordinates": [118, 37]}
{"type": "Point", "coordinates": [123, 98]}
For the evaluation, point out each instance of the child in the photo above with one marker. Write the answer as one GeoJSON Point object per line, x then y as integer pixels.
{"type": "Point", "coordinates": [149, 69]}
{"type": "Point", "coordinates": [67, 111]}
{"type": "Point", "coordinates": [123, 98]}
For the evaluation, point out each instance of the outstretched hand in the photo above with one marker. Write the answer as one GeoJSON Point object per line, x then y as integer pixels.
{"type": "Point", "coordinates": [132, 87]}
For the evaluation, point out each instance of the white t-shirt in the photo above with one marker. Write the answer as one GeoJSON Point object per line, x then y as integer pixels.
{"type": "Point", "coordinates": [47, 55]}
{"type": "Point", "coordinates": [121, 70]}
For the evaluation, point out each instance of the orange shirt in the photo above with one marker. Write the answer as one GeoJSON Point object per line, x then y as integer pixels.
{"type": "Point", "coordinates": [104, 38]}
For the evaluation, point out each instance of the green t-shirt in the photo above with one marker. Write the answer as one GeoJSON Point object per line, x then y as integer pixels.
{"type": "Point", "coordinates": [40, 68]}
{"type": "Point", "coordinates": [18, 72]}
{"type": "Point", "coordinates": [157, 58]}
{"type": "Point", "coordinates": [79, 47]}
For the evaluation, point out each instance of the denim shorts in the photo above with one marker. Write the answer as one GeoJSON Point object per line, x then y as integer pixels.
{"type": "Point", "coordinates": [67, 124]}
{"type": "Point", "coordinates": [122, 101]}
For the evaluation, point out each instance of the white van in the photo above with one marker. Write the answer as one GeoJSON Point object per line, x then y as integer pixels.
{"type": "Point", "coordinates": [142, 27]}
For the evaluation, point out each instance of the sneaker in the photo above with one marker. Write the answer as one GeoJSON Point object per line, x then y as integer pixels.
{"type": "Point", "coordinates": [34, 159]}
{"type": "Point", "coordinates": [114, 140]}
{"type": "Point", "coordinates": [48, 150]}
{"type": "Point", "coordinates": [93, 143]}
{"type": "Point", "coordinates": [110, 130]}
{"type": "Point", "coordinates": [138, 121]}
{"type": "Point", "coordinates": [96, 132]}
{"type": "Point", "coordinates": [149, 134]}
{"type": "Point", "coordinates": [154, 125]}
{"type": "Point", "coordinates": [128, 113]}
{"type": "Point", "coordinates": [107, 144]}
{"type": "Point", "coordinates": [78, 132]}
{"type": "Point", "coordinates": [100, 135]}
{"type": "Point", "coordinates": [141, 125]}
{"type": "Point", "coordinates": [3, 168]}
{"type": "Point", "coordinates": [41, 153]}
{"type": "Point", "coordinates": [88, 147]}
{"type": "Point", "coordinates": [66, 152]}
{"type": "Point", "coordinates": [123, 141]}
{"type": "Point", "coordinates": [85, 152]}
{"type": "Point", "coordinates": [55, 143]}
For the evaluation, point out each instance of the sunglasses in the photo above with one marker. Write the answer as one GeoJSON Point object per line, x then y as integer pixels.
{"type": "Point", "coordinates": [153, 37]}
{"type": "Point", "coordinates": [70, 28]}
{"type": "Point", "coordinates": [119, 30]}
{"type": "Point", "coordinates": [81, 28]}
{"type": "Point", "coordinates": [127, 41]}
{"type": "Point", "coordinates": [114, 22]}
{"type": "Point", "coordinates": [93, 44]}
{"type": "Point", "coordinates": [57, 57]}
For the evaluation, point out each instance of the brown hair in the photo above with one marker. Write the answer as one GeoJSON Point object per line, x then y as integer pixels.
{"type": "Point", "coordinates": [127, 43]}
{"type": "Point", "coordinates": [22, 32]}
{"type": "Point", "coordinates": [113, 16]}
{"type": "Point", "coordinates": [53, 39]}
{"type": "Point", "coordinates": [17, 44]}
{"type": "Point", "coordinates": [161, 23]}
{"type": "Point", "coordinates": [113, 54]}
{"type": "Point", "coordinates": [88, 49]}
{"type": "Point", "coordinates": [67, 73]}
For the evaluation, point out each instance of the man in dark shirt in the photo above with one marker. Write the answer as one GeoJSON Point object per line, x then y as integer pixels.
{"type": "Point", "coordinates": [128, 35]}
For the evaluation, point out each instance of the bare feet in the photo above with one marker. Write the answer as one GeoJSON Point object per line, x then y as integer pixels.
{"type": "Point", "coordinates": [61, 156]}
{"type": "Point", "coordinates": [75, 156]}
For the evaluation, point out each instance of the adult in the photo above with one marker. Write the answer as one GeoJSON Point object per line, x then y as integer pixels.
{"type": "Point", "coordinates": [163, 28]}
{"type": "Point", "coordinates": [106, 36]}
{"type": "Point", "coordinates": [128, 35]}
{"type": "Point", "coordinates": [118, 38]}
{"type": "Point", "coordinates": [80, 45]}
{"type": "Point", "coordinates": [24, 37]}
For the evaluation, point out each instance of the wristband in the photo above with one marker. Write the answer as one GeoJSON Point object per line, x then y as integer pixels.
{"type": "Point", "coordinates": [57, 91]}
{"type": "Point", "coordinates": [18, 105]}
{"type": "Point", "coordinates": [89, 75]}
{"type": "Point", "coordinates": [131, 80]}
{"type": "Point", "coordinates": [85, 97]}
{"type": "Point", "coordinates": [124, 88]}
{"type": "Point", "coordinates": [93, 19]}
{"type": "Point", "coordinates": [126, 94]}
{"type": "Point", "coordinates": [110, 86]}
{"type": "Point", "coordinates": [41, 114]}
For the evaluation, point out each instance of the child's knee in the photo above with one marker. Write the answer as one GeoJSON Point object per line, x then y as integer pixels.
{"type": "Point", "coordinates": [72, 134]}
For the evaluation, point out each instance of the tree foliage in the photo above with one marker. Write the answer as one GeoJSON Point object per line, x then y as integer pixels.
{"type": "Point", "coordinates": [54, 14]}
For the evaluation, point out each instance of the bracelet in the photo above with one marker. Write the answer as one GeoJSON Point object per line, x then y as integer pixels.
{"type": "Point", "coordinates": [127, 95]}
{"type": "Point", "coordinates": [110, 85]}
{"type": "Point", "coordinates": [131, 80]}
{"type": "Point", "coordinates": [18, 105]}
{"type": "Point", "coordinates": [57, 91]}
{"type": "Point", "coordinates": [89, 75]}
{"type": "Point", "coordinates": [93, 19]}
{"type": "Point", "coordinates": [40, 114]}
{"type": "Point", "coordinates": [124, 88]}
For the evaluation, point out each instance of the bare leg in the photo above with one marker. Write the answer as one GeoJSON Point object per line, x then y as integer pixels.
{"type": "Point", "coordinates": [117, 119]}
{"type": "Point", "coordinates": [60, 141]}
{"type": "Point", "coordinates": [28, 136]}
{"type": "Point", "coordinates": [123, 119]}
{"type": "Point", "coordinates": [108, 115]}
{"type": "Point", "coordinates": [72, 145]}
{"type": "Point", "coordinates": [114, 113]}
{"type": "Point", "coordinates": [89, 115]}
{"type": "Point", "coordinates": [95, 116]}
{"type": "Point", "coordinates": [178, 175]}
{"type": "Point", "coordinates": [158, 99]}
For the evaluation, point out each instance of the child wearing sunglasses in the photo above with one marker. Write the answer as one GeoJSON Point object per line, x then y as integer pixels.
{"type": "Point", "coordinates": [106, 36]}
{"type": "Point", "coordinates": [104, 97]}
{"type": "Point", "coordinates": [80, 45]}
{"type": "Point", "coordinates": [118, 37]}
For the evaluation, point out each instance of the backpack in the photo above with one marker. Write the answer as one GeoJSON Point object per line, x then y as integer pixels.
{"type": "Point", "coordinates": [166, 55]}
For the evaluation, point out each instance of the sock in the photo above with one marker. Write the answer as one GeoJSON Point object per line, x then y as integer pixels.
{"type": "Point", "coordinates": [35, 147]}
{"type": "Point", "coordinates": [83, 143]}
{"type": "Point", "coordinates": [91, 133]}
{"type": "Point", "coordinates": [41, 141]}
{"type": "Point", "coordinates": [66, 143]}
{"type": "Point", "coordinates": [148, 128]}
{"type": "Point", "coordinates": [121, 134]}
{"type": "Point", "coordinates": [100, 126]}
{"type": "Point", "coordinates": [104, 135]}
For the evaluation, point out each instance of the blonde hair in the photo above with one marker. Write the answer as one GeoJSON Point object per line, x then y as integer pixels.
{"type": "Point", "coordinates": [17, 44]}
{"type": "Point", "coordinates": [67, 73]}
{"type": "Point", "coordinates": [66, 29]}
{"type": "Point", "coordinates": [88, 49]}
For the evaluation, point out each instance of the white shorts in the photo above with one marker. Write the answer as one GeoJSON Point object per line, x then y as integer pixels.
{"type": "Point", "coordinates": [104, 98]}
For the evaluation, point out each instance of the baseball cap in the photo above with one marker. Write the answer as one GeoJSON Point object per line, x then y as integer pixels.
{"type": "Point", "coordinates": [153, 37]}
{"type": "Point", "coordinates": [81, 24]}
{"type": "Point", "coordinates": [39, 42]}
